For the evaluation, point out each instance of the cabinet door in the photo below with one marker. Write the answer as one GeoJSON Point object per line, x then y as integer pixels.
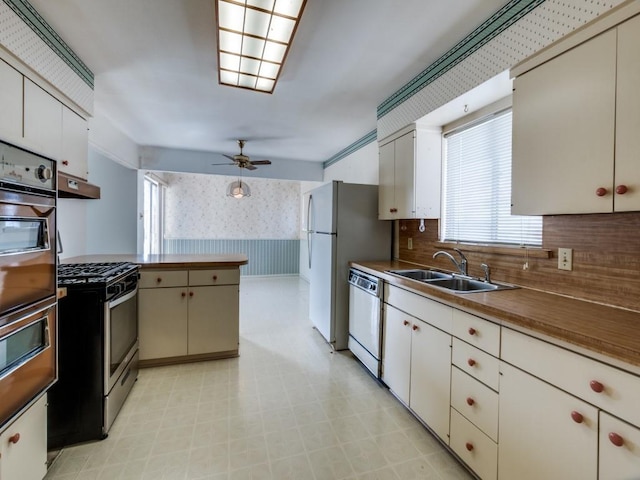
{"type": "Point", "coordinates": [42, 121]}
{"type": "Point", "coordinates": [162, 318]}
{"type": "Point", "coordinates": [396, 355]}
{"type": "Point", "coordinates": [538, 435]}
{"type": "Point", "coordinates": [619, 460]}
{"type": "Point", "coordinates": [11, 101]}
{"type": "Point", "coordinates": [75, 144]}
{"type": "Point", "coordinates": [430, 391]}
{"type": "Point", "coordinates": [23, 445]}
{"type": "Point", "coordinates": [405, 175]}
{"type": "Point", "coordinates": [213, 319]}
{"type": "Point", "coordinates": [627, 171]}
{"type": "Point", "coordinates": [563, 132]}
{"type": "Point", "coordinates": [386, 180]}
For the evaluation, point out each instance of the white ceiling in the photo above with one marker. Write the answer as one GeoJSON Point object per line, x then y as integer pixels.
{"type": "Point", "coordinates": [155, 70]}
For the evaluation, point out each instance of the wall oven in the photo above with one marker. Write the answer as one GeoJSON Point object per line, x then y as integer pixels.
{"type": "Point", "coordinates": [27, 279]}
{"type": "Point", "coordinates": [98, 355]}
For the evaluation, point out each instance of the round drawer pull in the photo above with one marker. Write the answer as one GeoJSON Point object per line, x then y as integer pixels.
{"type": "Point", "coordinates": [470, 401]}
{"type": "Point", "coordinates": [215, 278]}
{"type": "Point", "coordinates": [601, 192]}
{"type": "Point", "coordinates": [621, 189]}
{"type": "Point", "coordinates": [191, 294]}
{"type": "Point", "coordinates": [577, 417]}
{"type": "Point", "coordinates": [471, 362]}
{"type": "Point", "coordinates": [15, 438]}
{"type": "Point", "coordinates": [469, 446]}
{"type": "Point", "coordinates": [159, 280]}
{"type": "Point", "coordinates": [616, 439]}
{"type": "Point", "coordinates": [416, 327]}
{"type": "Point", "coordinates": [405, 323]}
{"type": "Point", "coordinates": [596, 386]}
{"type": "Point", "coordinates": [184, 294]}
{"type": "Point", "coordinates": [472, 331]}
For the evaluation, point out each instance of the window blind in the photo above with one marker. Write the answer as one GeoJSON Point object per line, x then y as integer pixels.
{"type": "Point", "coordinates": [477, 187]}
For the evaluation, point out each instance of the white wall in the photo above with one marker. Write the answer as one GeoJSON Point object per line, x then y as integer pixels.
{"type": "Point", "coordinates": [359, 167]}
{"type": "Point", "coordinates": [107, 225]}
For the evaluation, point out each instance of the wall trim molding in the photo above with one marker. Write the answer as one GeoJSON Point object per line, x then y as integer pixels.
{"type": "Point", "coordinates": [32, 18]}
{"type": "Point", "coordinates": [354, 147]}
{"type": "Point", "coordinates": [488, 30]}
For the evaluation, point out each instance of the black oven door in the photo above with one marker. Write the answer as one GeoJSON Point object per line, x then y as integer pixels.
{"type": "Point", "coordinates": [27, 249]}
{"type": "Point", "coordinates": [121, 335]}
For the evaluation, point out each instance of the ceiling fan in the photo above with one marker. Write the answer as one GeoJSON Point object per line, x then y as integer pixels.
{"type": "Point", "coordinates": [242, 160]}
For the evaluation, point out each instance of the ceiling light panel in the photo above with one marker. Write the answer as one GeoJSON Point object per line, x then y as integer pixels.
{"type": "Point", "coordinates": [254, 37]}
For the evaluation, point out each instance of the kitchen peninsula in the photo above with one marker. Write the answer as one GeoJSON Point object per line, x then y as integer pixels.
{"type": "Point", "coordinates": [188, 305]}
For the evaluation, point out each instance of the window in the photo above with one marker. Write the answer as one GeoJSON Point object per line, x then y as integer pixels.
{"type": "Point", "coordinates": [477, 187]}
{"type": "Point", "coordinates": [153, 215]}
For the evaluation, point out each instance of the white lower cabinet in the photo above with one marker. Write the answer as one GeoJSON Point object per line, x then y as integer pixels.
{"type": "Point", "coordinates": [188, 312]}
{"type": "Point", "coordinates": [619, 449]}
{"type": "Point", "coordinates": [475, 448]}
{"type": "Point", "coordinates": [396, 360]}
{"type": "Point", "coordinates": [23, 445]}
{"type": "Point", "coordinates": [544, 432]}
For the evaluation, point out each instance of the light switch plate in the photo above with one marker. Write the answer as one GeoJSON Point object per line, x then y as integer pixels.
{"type": "Point", "coordinates": [565, 259]}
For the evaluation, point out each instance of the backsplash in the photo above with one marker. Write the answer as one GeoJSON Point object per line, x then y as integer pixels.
{"type": "Point", "coordinates": [606, 257]}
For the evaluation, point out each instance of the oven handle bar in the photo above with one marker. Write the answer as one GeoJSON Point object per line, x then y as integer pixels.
{"type": "Point", "coordinates": [119, 300]}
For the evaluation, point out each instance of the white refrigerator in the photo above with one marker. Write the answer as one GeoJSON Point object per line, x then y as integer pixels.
{"type": "Point", "coordinates": [342, 226]}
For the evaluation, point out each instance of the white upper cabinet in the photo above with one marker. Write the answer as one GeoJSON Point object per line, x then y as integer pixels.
{"type": "Point", "coordinates": [42, 121]}
{"type": "Point", "coordinates": [11, 101]}
{"type": "Point", "coordinates": [409, 174]}
{"type": "Point", "coordinates": [75, 144]}
{"type": "Point", "coordinates": [575, 123]}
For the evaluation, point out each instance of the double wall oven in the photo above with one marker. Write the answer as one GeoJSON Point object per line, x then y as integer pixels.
{"type": "Point", "coordinates": [98, 355]}
{"type": "Point", "coordinates": [27, 279]}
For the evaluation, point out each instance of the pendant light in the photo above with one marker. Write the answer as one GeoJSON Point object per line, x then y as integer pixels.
{"type": "Point", "coordinates": [238, 189]}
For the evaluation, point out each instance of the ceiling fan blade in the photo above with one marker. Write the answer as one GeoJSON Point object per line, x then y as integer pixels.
{"type": "Point", "coordinates": [261, 162]}
{"type": "Point", "coordinates": [248, 166]}
{"type": "Point", "coordinates": [219, 164]}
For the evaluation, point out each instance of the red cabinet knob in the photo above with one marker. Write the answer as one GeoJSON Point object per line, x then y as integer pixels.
{"type": "Point", "coordinates": [471, 362]}
{"type": "Point", "coordinates": [470, 401]}
{"type": "Point", "coordinates": [616, 439]}
{"type": "Point", "coordinates": [469, 446]}
{"type": "Point", "coordinates": [191, 294]}
{"type": "Point", "coordinates": [15, 438]}
{"type": "Point", "coordinates": [577, 417]}
{"type": "Point", "coordinates": [472, 331]}
{"type": "Point", "coordinates": [393, 210]}
{"type": "Point", "coordinates": [415, 327]}
{"type": "Point", "coordinates": [621, 189]}
{"type": "Point", "coordinates": [184, 294]}
{"type": "Point", "coordinates": [596, 386]}
{"type": "Point", "coordinates": [405, 323]}
{"type": "Point", "coordinates": [215, 277]}
{"type": "Point", "coordinates": [159, 279]}
{"type": "Point", "coordinates": [64, 162]}
{"type": "Point", "coordinates": [601, 192]}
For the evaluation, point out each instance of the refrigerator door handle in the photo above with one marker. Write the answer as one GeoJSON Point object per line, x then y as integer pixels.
{"type": "Point", "coordinates": [309, 229]}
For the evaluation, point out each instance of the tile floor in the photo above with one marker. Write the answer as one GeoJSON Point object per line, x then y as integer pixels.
{"type": "Point", "coordinates": [287, 408]}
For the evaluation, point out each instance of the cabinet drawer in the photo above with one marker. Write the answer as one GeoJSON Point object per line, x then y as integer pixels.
{"type": "Point", "coordinates": [474, 448]}
{"type": "Point", "coordinates": [576, 374]}
{"type": "Point", "coordinates": [429, 311]}
{"type": "Point", "coordinates": [620, 460]}
{"type": "Point", "coordinates": [222, 276]}
{"type": "Point", "coordinates": [476, 363]}
{"type": "Point", "coordinates": [477, 402]}
{"type": "Point", "coordinates": [477, 331]}
{"type": "Point", "coordinates": [163, 278]}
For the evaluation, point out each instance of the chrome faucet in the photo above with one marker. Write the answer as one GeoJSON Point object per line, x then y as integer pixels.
{"type": "Point", "coordinates": [461, 265]}
{"type": "Point", "coordinates": [487, 272]}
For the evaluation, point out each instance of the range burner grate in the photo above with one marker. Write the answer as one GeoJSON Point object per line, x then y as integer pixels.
{"type": "Point", "coordinates": [91, 272]}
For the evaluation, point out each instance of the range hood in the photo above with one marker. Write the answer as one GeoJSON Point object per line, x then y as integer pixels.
{"type": "Point", "coordinates": [74, 187]}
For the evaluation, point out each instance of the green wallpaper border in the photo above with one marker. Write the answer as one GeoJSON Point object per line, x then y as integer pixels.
{"type": "Point", "coordinates": [355, 146]}
{"type": "Point", "coordinates": [31, 17]}
{"type": "Point", "coordinates": [489, 29]}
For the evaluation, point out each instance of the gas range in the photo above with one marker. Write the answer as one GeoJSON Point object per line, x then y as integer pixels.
{"type": "Point", "coordinates": [95, 274]}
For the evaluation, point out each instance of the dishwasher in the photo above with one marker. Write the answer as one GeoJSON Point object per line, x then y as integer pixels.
{"type": "Point", "coordinates": [365, 327]}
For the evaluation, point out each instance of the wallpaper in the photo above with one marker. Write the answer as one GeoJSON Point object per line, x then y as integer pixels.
{"type": "Point", "coordinates": [197, 207]}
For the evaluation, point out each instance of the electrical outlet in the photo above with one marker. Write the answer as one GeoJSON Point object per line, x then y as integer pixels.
{"type": "Point", "coordinates": [410, 243]}
{"type": "Point", "coordinates": [565, 259]}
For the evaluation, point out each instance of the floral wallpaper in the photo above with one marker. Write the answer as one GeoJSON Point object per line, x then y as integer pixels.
{"type": "Point", "coordinates": [197, 207]}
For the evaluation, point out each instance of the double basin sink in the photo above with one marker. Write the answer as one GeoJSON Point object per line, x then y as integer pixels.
{"type": "Point", "coordinates": [452, 282]}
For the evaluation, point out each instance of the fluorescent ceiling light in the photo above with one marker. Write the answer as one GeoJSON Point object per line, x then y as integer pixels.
{"type": "Point", "coordinates": [254, 37]}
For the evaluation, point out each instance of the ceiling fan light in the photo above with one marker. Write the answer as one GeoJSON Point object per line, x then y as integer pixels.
{"type": "Point", "coordinates": [238, 189]}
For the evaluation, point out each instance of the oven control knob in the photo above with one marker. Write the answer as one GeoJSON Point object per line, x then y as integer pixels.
{"type": "Point", "coordinates": [114, 289]}
{"type": "Point", "coordinates": [43, 173]}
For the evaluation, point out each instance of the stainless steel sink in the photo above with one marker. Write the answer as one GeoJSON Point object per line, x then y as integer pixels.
{"type": "Point", "coordinates": [469, 285]}
{"type": "Point", "coordinates": [421, 274]}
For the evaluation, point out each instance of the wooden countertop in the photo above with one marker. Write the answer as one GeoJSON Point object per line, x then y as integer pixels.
{"type": "Point", "coordinates": [168, 260]}
{"type": "Point", "coordinates": [605, 330]}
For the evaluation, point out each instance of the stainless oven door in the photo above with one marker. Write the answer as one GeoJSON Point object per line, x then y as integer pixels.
{"type": "Point", "coordinates": [27, 356]}
{"type": "Point", "coordinates": [120, 336]}
{"type": "Point", "coordinates": [27, 249]}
